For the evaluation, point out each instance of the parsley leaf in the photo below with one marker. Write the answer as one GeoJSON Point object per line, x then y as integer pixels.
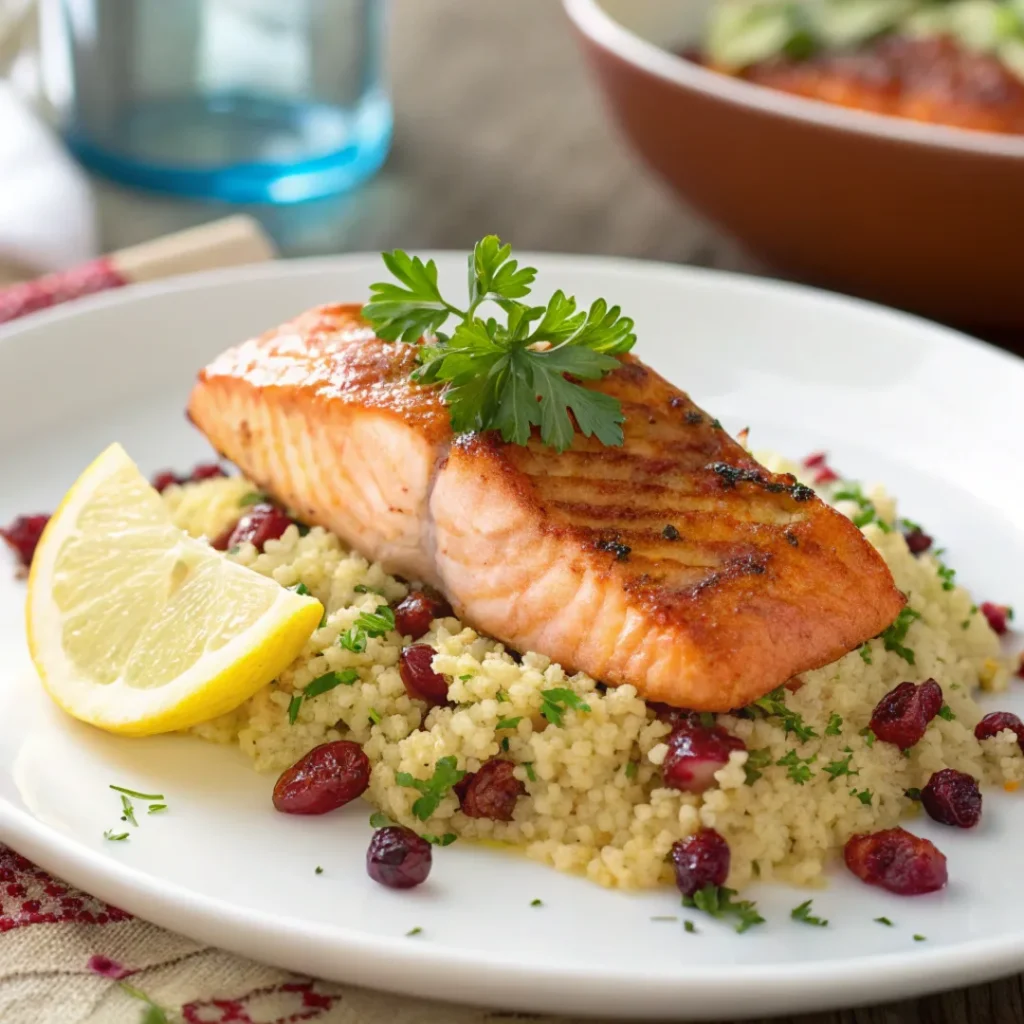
{"type": "Point", "coordinates": [414, 931]}
{"type": "Point", "coordinates": [717, 901]}
{"type": "Point", "coordinates": [293, 708]}
{"type": "Point", "coordinates": [756, 760]}
{"type": "Point", "coordinates": [865, 653]}
{"type": "Point", "coordinates": [803, 913]}
{"type": "Point", "coordinates": [114, 837]}
{"type": "Point", "coordinates": [774, 704]}
{"type": "Point", "coordinates": [328, 681]}
{"type": "Point", "coordinates": [128, 811]}
{"type": "Point", "coordinates": [835, 724]}
{"type": "Point", "coordinates": [508, 377]}
{"type": "Point", "coordinates": [885, 921]}
{"type": "Point", "coordinates": [376, 623]}
{"type": "Point", "coordinates": [837, 769]}
{"type": "Point", "coordinates": [689, 926]}
{"type": "Point", "coordinates": [380, 820]}
{"type": "Point", "coordinates": [947, 713]}
{"type": "Point", "coordinates": [797, 768]}
{"type": "Point", "coordinates": [536, 903]}
{"type": "Point", "coordinates": [434, 789]}
{"type": "Point", "coordinates": [363, 588]}
{"type": "Point", "coordinates": [530, 773]}
{"type": "Point", "coordinates": [863, 795]}
{"type": "Point", "coordinates": [555, 702]}
{"type": "Point", "coordinates": [375, 716]}
{"type": "Point", "coordinates": [631, 769]}
{"type": "Point", "coordinates": [353, 639]}
{"type": "Point", "coordinates": [894, 636]}
{"type": "Point", "coordinates": [508, 723]}
{"type": "Point", "coordinates": [446, 840]}
{"type": "Point", "coordinates": [301, 589]}
{"type": "Point", "coordinates": [866, 511]}
{"type": "Point", "coordinates": [135, 793]}
{"type": "Point", "coordinates": [869, 735]}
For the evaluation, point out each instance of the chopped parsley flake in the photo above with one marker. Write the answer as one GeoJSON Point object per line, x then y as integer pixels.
{"type": "Point", "coordinates": [868, 734]}
{"type": "Point", "coordinates": [865, 653]}
{"type": "Point", "coordinates": [835, 723]}
{"type": "Point", "coordinates": [509, 723]}
{"type": "Point", "coordinates": [377, 623]}
{"type": "Point", "coordinates": [913, 793]}
{"type": "Point", "coordinates": [156, 808]}
{"type": "Point", "coordinates": [866, 511]}
{"type": "Point", "coordinates": [947, 713]}
{"type": "Point", "coordinates": [504, 744]}
{"type": "Point", "coordinates": [501, 696]}
{"type": "Point", "coordinates": [414, 931]}
{"type": "Point", "coordinates": [353, 639]}
{"type": "Point", "coordinates": [530, 773]}
{"type": "Point", "coordinates": [363, 588]}
{"type": "Point", "coordinates": [885, 921]}
{"type": "Point", "coordinates": [774, 703]}
{"type": "Point", "coordinates": [380, 820]}
{"type": "Point", "coordinates": [375, 716]}
{"type": "Point", "coordinates": [137, 794]}
{"type": "Point", "coordinates": [301, 589]}
{"type": "Point", "coordinates": [129, 811]}
{"type": "Point", "coordinates": [894, 636]}
{"type": "Point", "coordinates": [707, 719]}
{"type": "Point", "coordinates": [328, 681]}
{"type": "Point", "coordinates": [434, 789]}
{"type": "Point", "coordinates": [252, 498]}
{"type": "Point", "coordinates": [689, 926]}
{"type": "Point", "coordinates": [716, 424]}
{"type": "Point", "coordinates": [555, 702]}
{"type": "Point", "coordinates": [446, 840]}
{"type": "Point", "coordinates": [837, 769]}
{"type": "Point", "coordinates": [919, 938]}
{"type": "Point", "coordinates": [797, 768]}
{"type": "Point", "coordinates": [318, 870]}
{"type": "Point", "coordinates": [293, 708]}
{"type": "Point", "coordinates": [536, 903]}
{"type": "Point", "coordinates": [803, 913]}
{"type": "Point", "coordinates": [717, 901]}
{"type": "Point", "coordinates": [631, 769]}
{"type": "Point", "coordinates": [863, 795]}
{"type": "Point", "coordinates": [756, 760]}
{"type": "Point", "coordinates": [114, 837]}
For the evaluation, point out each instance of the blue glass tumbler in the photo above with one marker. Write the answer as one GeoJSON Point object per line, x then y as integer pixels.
{"type": "Point", "coordinates": [245, 101]}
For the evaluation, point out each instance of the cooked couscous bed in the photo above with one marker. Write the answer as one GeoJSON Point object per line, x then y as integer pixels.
{"type": "Point", "coordinates": [589, 758]}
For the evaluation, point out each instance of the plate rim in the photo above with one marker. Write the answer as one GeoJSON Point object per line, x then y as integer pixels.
{"type": "Point", "coordinates": [393, 963]}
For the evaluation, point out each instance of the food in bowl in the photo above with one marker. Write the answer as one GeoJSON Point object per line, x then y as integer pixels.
{"type": "Point", "coordinates": [453, 735]}
{"type": "Point", "coordinates": [951, 62]}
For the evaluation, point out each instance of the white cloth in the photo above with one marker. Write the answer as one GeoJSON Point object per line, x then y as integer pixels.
{"type": "Point", "coordinates": [46, 207]}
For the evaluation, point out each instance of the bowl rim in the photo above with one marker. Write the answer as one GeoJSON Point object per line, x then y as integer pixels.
{"type": "Point", "coordinates": [594, 22]}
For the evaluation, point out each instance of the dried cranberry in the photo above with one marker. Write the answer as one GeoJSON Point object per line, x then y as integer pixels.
{"type": "Point", "coordinates": [23, 536]}
{"type": "Point", "coordinates": [917, 540]}
{"type": "Point", "coordinates": [261, 523]}
{"type": "Point", "coordinates": [421, 681]}
{"type": "Point", "coordinates": [415, 612]}
{"type": "Point", "coordinates": [328, 777]}
{"type": "Point", "coordinates": [825, 475]}
{"type": "Point", "coordinates": [695, 753]}
{"type": "Point", "coordinates": [953, 798]}
{"type": "Point", "coordinates": [490, 792]}
{"type": "Point", "coordinates": [701, 859]}
{"type": "Point", "coordinates": [903, 714]}
{"type": "Point", "coordinates": [398, 858]}
{"type": "Point", "coordinates": [164, 479]}
{"type": "Point", "coordinates": [815, 459]}
{"type": "Point", "coordinates": [898, 861]}
{"type": "Point", "coordinates": [994, 723]}
{"type": "Point", "coordinates": [205, 471]}
{"type": "Point", "coordinates": [998, 615]}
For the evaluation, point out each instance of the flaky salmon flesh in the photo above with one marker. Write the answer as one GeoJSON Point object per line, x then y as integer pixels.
{"type": "Point", "coordinates": [675, 563]}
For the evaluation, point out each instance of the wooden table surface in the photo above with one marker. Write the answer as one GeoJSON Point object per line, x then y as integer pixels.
{"type": "Point", "coordinates": [497, 129]}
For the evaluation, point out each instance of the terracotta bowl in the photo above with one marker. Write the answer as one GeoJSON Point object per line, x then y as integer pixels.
{"type": "Point", "coordinates": [919, 216]}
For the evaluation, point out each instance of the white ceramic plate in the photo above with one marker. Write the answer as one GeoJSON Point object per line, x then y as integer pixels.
{"type": "Point", "coordinates": [932, 414]}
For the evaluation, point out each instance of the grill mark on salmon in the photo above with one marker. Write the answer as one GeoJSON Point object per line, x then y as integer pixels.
{"type": "Point", "coordinates": [562, 554]}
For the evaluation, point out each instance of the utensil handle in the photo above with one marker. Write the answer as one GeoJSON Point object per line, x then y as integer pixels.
{"type": "Point", "coordinates": [225, 243]}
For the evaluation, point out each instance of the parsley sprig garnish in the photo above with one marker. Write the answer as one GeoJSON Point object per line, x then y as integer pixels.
{"type": "Point", "coordinates": [717, 901]}
{"type": "Point", "coordinates": [510, 376]}
{"type": "Point", "coordinates": [894, 636]}
{"type": "Point", "coordinates": [322, 684]}
{"type": "Point", "coordinates": [434, 789]}
{"type": "Point", "coordinates": [797, 768]}
{"type": "Point", "coordinates": [803, 913]}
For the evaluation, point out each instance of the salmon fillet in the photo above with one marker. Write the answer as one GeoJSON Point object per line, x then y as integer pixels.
{"type": "Point", "coordinates": [675, 563]}
{"type": "Point", "coordinates": [934, 80]}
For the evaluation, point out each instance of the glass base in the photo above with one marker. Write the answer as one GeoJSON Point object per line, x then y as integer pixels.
{"type": "Point", "coordinates": [241, 148]}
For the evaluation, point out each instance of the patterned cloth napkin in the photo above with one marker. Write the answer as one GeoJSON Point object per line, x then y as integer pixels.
{"type": "Point", "coordinates": [67, 958]}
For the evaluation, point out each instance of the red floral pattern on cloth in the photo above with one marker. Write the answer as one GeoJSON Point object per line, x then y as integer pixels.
{"type": "Point", "coordinates": [53, 289]}
{"type": "Point", "coordinates": [297, 1000]}
{"type": "Point", "coordinates": [28, 895]}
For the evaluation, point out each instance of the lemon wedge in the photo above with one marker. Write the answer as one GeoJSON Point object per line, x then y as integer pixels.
{"type": "Point", "coordinates": [138, 628]}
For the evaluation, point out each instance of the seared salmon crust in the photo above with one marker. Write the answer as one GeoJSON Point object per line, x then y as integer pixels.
{"type": "Point", "coordinates": [675, 563]}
